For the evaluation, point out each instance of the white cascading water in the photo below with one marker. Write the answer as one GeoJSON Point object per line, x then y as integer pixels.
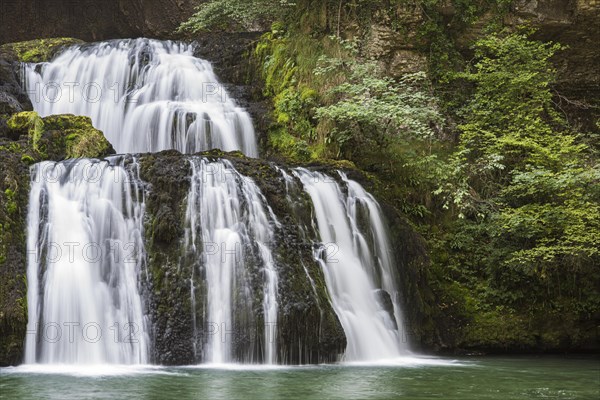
{"type": "Point", "coordinates": [228, 217]}
{"type": "Point", "coordinates": [85, 257]}
{"type": "Point", "coordinates": [354, 273]}
{"type": "Point", "coordinates": [148, 96]}
{"type": "Point", "coordinates": [358, 202]}
{"type": "Point", "coordinates": [145, 95]}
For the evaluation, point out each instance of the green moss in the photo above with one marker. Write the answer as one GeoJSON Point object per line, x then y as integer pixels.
{"type": "Point", "coordinates": [11, 204]}
{"type": "Point", "coordinates": [82, 140]}
{"type": "Point", "coordinates": [28, 122]}
{"type": "Point", "coordinates": [27, 159]}
{"type": "Point", "coordinates": [287, 63]}
{"type": "Point", "coordinates": [57, 137]}
{"type": "Point", "coordinates": [39, 50]}
{"type": "Point", "coordinates": [498, 329]}
{"type": "Point", "coordinates": [288, 145]}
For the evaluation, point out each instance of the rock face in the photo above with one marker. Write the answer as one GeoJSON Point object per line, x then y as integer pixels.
{"type": "Point", "coordinates": [308, 329]}
{"type": "Point", "coordinates": [393, 41]}
{"type": "Point", "coordinates": [229, 55]}
{"type": "Point", "coordinates": [575, 24]}
{"type": "Point", "coordinates": [12, 96]}
{"type": "Point", "coordinates": [91, 20]}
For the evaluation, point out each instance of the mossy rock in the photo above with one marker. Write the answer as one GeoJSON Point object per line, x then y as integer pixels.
{"type": "Point", "coordinates": [82, 140]}
{"type": "Point", "coordinates": [27, 122]}
{"type": "Point", "coordinates": [60, 136]}
{"type": "Point", "coordinates": [14, 192]}
{"type": "Point", "coordinates": [38, 50]}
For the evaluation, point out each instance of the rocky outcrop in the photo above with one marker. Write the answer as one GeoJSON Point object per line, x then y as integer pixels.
{"type": "Point", "coordinates": [308, 329]}
{"type": "Point", "coordinates": [13, 98]}
{"type": "Point", "coordinates": [91, 20]}
{"type": "Point", "coordinates": [168, 293]}
{"type": "Point", "coordinates": [229, 55]}
{"type": "Point", "coordinates": [574, 24]}
{"type": "Point", "coordinates": [393, 39]}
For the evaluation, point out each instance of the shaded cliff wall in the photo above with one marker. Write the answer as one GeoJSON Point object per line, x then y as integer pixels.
{"type": "Point", "coordinates": [91, 20]}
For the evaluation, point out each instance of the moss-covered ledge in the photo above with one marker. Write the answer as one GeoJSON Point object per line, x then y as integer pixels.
{"type": "Point", "coordinates": [36, 51]}
{"type": "Point", "coordinates": [58, 137]}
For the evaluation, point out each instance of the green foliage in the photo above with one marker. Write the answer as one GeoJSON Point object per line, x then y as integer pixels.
{"type": "Point", "coordinates": [509, 121]}
{"type": "Point", "coordinates": [39, 50]}
{"type": "Point", "coordinates": [528, 190]}
{"type": "Point", "coordinates": [499, 329]}
{"type": "Point", "coordinates": [235, 14]}
{"type": "Point", "coordinates": [370, 109]}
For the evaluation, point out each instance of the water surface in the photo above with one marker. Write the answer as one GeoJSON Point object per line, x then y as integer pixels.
{"type": "Point", "coordinates": [469, 378]}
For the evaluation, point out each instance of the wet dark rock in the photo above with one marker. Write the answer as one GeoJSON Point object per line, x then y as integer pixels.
{"type": "Point", "coordinates": [384, 301]}
{"type": "Point", "coordinates": [12, 96]}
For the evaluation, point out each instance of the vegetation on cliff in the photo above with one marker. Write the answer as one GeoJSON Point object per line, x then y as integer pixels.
{"type": "Point", "coordinates": [39, 50]}
{"type": "Point", "coordinates": [474, 148]}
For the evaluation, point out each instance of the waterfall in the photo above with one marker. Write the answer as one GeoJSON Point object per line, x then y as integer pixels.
{"type": "Point", "coordinates": [85, 257]}
{"type": "Point", "coordinates": [145, 95]}
{"type": "Point", "coordinates": [86, 263]}
{"type": "Point", "coordinates": [359, 272]}
{"type": "Point", "coordinates": [85, 243]}
{"type": "Point", "coordinates": [230, 226]}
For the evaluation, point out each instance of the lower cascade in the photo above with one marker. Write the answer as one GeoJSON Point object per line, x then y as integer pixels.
{"type": "Point", "coordinates": [85, 260]}
{"type": "Point", "coordinates": [88, 274]}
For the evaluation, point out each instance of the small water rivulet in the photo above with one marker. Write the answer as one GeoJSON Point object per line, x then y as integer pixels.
{"type": "Point", "coordinates": [229, 226]}
{"type": "Point", "coordinates": [85, 258]}
{"type": "Point", "coordinates": [145, 95]}
{"type": "Point", "coordinates": [356, 260]}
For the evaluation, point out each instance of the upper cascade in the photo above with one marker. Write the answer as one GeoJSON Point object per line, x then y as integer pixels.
{"type": "Point", "coordinates": [145, 95]}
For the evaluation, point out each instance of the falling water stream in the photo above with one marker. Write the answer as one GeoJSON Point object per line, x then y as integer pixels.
{"type": "Point", "coordinates": [229, 219]}
{"type": "Point", "coordinates": [359, 276]}
{"type": "Point", "coordinates": [85, 258]}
